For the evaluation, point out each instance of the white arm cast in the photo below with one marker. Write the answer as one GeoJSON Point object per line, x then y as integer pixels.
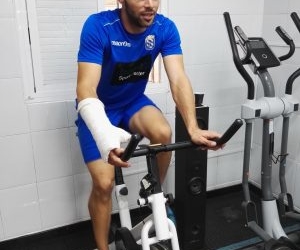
{"type": "Point", "coordinates": [106, 135]}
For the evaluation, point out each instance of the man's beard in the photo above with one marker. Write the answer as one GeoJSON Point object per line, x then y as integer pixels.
{"type": "Point", "coordinates": [134, 19]}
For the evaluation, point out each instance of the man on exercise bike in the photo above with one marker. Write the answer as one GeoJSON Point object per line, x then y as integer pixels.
{"type": "Point", "coordinates": [116, 54]}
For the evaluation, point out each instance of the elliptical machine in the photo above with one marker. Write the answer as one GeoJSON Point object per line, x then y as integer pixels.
{"type": "Point", "coordinates": [289, 210]}
{"type": "Point", "coordinates": [260, 57]}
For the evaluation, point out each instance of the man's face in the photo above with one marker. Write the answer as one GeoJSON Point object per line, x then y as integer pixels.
{"type": "Point", "coordinates": [140, 13]}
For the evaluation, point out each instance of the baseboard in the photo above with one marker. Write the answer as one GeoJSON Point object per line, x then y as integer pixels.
{"type": "Point", "coordinates": [71, 236]}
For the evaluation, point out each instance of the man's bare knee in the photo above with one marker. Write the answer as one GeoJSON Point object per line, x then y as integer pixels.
{"type": "Point", "coordinates": [103, 179]}
{"type": "Point", "coordinates": [162, 135]}
{"type": "Point", "coordinates": [102, 189]}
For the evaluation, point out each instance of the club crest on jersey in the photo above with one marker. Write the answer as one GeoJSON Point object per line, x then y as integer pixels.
{"type": "Point", "coordinates": [150, 42]}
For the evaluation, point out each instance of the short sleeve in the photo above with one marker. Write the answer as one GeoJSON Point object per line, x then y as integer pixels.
{"type": "Point", "coordinates": [172, 42]}
{"type": "Point", "coordinates": [91, 43]}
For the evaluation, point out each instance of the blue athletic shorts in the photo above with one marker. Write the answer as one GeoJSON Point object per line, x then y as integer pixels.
{"type": "Point", "coordinates": [118, 117]}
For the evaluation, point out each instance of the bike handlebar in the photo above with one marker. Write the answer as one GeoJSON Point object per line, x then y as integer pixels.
{"type": "Point", "coordinates": [134, 141]}
{"type": "Point", "coordinates": [131, 151]}
{"type": "Point", "coordinates": [234, 127]}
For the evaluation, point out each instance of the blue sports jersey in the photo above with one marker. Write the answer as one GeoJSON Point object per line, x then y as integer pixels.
{"type": "Point", "coordinates": [126, 58]}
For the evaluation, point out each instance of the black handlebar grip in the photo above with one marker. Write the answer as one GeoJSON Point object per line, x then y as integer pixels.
{"type": "Point", "coordinates": [134, 141]}
{"type": "Point", "coordinates": [282, 33]}
{"type": "Point", "coordinates": [230, 132]}
{"type": "Point", "coordinates": [296, 20]}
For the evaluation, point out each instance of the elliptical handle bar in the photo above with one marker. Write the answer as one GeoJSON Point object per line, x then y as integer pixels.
{"type": "Point", "coordinates": [288, 40]}
{"type": "Point", "coordinates": [296, 20]}
{"type": "Point", "coordinates": [290, 81]}
{"type": "Point", "coordinates": [284, 35]}
{"type": "Point", "coordinates": [236, 58]}
{"type": "Point", "coordinates": [296, 74]}
{"type": "Point", "coordinates": [130, 150]}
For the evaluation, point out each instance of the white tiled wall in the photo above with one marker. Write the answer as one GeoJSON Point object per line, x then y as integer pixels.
{"type": "Point", "coordinates": [17, 163]}
{"type": "Point", "coordinates": [43, 181]}
{"type": "Point", "coordinates": [57, 202]}
{"type": "Point", "coordinates": [20, 210]}
{"type": "Point", "coordinates": [15, 121]}
{"type": "Point", "coordinates": [52, 154]}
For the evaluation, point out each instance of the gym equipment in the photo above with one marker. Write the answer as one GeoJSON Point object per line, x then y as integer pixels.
{"type": "Point", "coordinates": [190, 187]}
{"type": "Point", "coordinates": [156, 228]}
{"type": "Point", "coordinates": [289, 210]}
{"type": "Point", "coordinates": [260, 57]}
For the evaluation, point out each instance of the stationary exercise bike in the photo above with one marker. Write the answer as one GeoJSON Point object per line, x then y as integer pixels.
{"type": "Point", "coordinates": [156, 228]}
{"type": "Point", "coordinates": [289, 210]}
{"type": "Point", "coordinates": [259, 56]}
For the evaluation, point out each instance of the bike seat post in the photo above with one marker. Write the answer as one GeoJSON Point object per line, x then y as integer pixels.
{"type": "Point", "coordinates": [153, 168]}
{"type": "Point", "coordinates": [157, 198]}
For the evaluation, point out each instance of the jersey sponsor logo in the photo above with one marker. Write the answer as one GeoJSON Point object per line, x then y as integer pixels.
{"type": "Point", "coordinates": [150, 42]}
{"type": "Point", "coordinates": [132, 72]}
{"type": "Point", "coordinates": [121, 43]}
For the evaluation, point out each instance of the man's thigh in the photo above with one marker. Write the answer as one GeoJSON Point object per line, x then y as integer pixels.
{"type": "Point", "coordinates": [151, 123]}
{"type": "Point", "coordinates": [137, 115]}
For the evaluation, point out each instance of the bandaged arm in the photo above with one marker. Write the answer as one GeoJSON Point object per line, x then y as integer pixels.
{"type": "Point", "coordinates": [106, 135]}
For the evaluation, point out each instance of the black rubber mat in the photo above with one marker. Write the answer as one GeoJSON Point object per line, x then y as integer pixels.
{"type": "Point", "coordinates": [226, 223]}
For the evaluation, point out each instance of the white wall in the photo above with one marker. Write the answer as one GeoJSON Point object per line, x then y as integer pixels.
{"type": "Point", "coordinates": [43, 181]}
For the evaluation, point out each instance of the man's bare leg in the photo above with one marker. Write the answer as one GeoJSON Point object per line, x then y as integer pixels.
{"type": "Point", "coordinates": [100, 202]}
{"type": "Point", "coordinates": [151, 123]}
